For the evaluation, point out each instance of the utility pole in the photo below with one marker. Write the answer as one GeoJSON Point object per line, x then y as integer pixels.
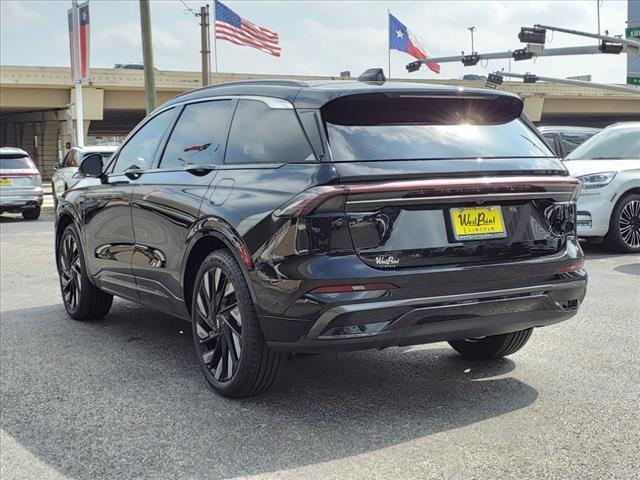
{"type": "Point", "coordinates": [206, 52]}
{"type": "Point", "coordinates": [147, 55]}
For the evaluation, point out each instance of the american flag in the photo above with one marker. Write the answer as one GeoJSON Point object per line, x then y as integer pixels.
{"type": "Point", "coordinates": [235, 29]}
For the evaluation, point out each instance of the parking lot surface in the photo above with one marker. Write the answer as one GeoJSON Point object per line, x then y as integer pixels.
{"type": "Point", "coordinates": [123, 397]}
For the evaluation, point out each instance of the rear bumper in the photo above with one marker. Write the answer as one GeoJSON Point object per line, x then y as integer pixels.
{"type": "Point", "coordinates": [384, 323]}
{"type": "Point", "coordinates": [22, 201]}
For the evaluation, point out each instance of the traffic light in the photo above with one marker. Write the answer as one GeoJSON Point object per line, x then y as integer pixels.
{"type": "Point", "coordinates": [414, 66]}
{"type": "Point", "coordinates": [608, 47]}
{"type": "Point", "coordinates": [522, 54]}
{"type": "Point", "coordinates": [470, 60]}
{"type": "Point", "coordinates": [532, 35]}
{"type": "Point", "coordinates": [529, 78]}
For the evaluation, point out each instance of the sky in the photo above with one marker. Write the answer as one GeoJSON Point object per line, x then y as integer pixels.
{"type": "Point", "coordinates": [318, 37]}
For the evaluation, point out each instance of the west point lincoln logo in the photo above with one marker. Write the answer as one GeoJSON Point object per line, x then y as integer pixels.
{"type": "Point", "coordinates": [387, 261]}
{"type": "Point", "coordinates": [480, 220]}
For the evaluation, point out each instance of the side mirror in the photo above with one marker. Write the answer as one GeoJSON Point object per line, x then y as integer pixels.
{"type": "Point", "coordinates": [91, 166]}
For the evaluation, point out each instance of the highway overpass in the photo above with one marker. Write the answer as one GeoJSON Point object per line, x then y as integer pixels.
{"type": "Point", "coordinates": [36, 102]}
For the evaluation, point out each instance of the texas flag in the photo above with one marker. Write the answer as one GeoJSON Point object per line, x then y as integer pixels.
{"type": "Point", "coordinates": [400, 38]}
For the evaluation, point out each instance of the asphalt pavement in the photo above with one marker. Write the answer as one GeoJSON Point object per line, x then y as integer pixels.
{"type": "Point", "coordinates": [123, 397]}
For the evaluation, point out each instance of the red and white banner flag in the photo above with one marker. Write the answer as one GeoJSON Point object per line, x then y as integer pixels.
{"type": "Point", "coordinates": [79, 42]}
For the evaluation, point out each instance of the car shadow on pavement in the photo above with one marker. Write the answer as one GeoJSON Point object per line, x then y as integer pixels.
{"type": "Point", "coordinates": [124, 398]}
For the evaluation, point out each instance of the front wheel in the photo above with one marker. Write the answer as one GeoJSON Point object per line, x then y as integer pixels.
{"type": "Point", "coordinates": [230, 348]}
{"type": "Point", "coordinates": [496, 346]}
{"type": "Point", "coordinates": [82, 299]}
{"type": "Point", "coordinates": [624, 227]}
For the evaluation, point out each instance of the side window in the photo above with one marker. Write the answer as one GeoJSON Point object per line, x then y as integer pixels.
{"type": "Point", "coordinates": [570, 141]}
{"type": "Point", "coordinates": [260, 134]}
{"type": "Point", "coordinates": [71, 159]}
{"type": "Point", "coordinates": [550, 138]}
{"type": "Point", "coordinates": [141, 148]}
{"type": "Point", "coordinates": [200, 135]}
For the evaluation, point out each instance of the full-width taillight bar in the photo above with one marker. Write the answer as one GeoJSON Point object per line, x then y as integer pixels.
{"type": "Point", "coordinates": [307, 201]}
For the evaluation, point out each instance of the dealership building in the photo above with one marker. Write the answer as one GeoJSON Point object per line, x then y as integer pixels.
{"type": "Point", "coordinates": [37, 111]}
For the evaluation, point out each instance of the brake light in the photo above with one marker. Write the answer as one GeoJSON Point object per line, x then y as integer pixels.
{"type": "Point", "coordinates": [354, 288]}
{"type": "Point", "coordinates": [570, 268]}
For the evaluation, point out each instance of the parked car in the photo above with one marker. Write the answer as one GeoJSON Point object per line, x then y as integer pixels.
{"type": "Point", "coordinates": [20, 184]}
{"type": "Point", "coordinates": [289, 216]}
{"type": "Point", "coordinates": [608, 165]}
{"type": "Point", "coordinates": [563, 140]}
{"type": "Point", "coordinates": [65, 176]}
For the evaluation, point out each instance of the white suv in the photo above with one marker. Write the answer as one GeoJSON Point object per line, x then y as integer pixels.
{"type": "Point", "coordinates": [65, 176]}
{"type": "Point", "coordinates": [608, 165]}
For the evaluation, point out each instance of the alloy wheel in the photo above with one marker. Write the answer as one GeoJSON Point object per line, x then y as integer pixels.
{"type": "Point", "coordinates": [629, 224]}
{"type": "Point", "coordinates": [218, 324]}
{"type": "Point", "coordinates": [70, 271]}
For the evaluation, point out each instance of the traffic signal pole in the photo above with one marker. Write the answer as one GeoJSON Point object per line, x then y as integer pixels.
{"type": "Point", "coordinates": [530, 78]}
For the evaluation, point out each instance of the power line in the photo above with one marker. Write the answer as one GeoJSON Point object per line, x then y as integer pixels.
{"type": "Point", "coordinates": [188, 8]}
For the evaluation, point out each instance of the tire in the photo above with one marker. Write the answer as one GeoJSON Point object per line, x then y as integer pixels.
{"type": "Point", "coordinates": [496, 346]}
{"type": "Point", "coordinates": [31, 213]}
{"type": "Point", "coordinates": [224, 321]}
{"type": "Point", "coordinates": [624, 226]}
{"type": "Point", "coordinates": [81, 298]}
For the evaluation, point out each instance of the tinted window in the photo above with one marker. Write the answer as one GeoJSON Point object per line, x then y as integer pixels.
{"type": "Point", "coordinates": [15, 161]}
{"type": "Point", "coordinates": [199, 135]}
{"type": "Point", "coordinates": [549, 137]}
{"type": "Point", "coordinates": [260, 134]}
{"type": "Point", "coordinates": [570, 141]}
{"type": "Point", "coordinates": [141, 148]}
{"type": "Point", "coordinates": [612, 144]}
{"type": "Point", "coordinates": [395, 142]}
{"type": "Point", "coordinates": [72, 161]}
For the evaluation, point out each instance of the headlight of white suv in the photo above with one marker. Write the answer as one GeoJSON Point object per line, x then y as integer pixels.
{"type": "Point", "coordinates": [596, 180]}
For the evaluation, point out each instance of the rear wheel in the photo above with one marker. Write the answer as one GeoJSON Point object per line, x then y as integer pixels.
{"type": "Point", "coordinates": [624, 227]}
{"type": "Point", "coordinates": [230, 348]}
{"type": "Point", "coordinates": [496, 346]}
{"type": "Point", "coordinates": [31, 213]}
{"type": "Point", "coordinates": [82, 300]}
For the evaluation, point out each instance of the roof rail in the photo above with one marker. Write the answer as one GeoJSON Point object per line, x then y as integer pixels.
{"type": "Point", "coordinates": [275, 82]}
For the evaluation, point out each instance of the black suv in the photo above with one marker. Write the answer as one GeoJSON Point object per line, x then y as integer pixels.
{"type": "Point", "coordinates": [290, 216]}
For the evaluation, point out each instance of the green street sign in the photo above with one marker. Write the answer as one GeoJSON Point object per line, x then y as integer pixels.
{"type": "Point", "coordinates": [632, 32]}
{"type": "Point", "coordinates": [633, 80]}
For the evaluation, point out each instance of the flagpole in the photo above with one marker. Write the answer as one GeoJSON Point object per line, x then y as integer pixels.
{"type": "Point", "coordinates": [215, 42]}
{"type": "Point", "coordinates": [389, 39]}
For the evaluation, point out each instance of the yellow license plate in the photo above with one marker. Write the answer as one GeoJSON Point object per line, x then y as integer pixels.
{"type": "Point", "coordinates": [5, 182]}
{"type": "Point", "coordinates": [478, 223]}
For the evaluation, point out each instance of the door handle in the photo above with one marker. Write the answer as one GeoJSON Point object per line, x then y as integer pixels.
{"type": "Point", "coordinates": [200, 170]}
{"type": "Point", "coordinates": [133, 173]}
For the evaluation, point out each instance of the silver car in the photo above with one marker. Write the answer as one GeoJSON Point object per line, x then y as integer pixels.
{"type": "Point", "coordinates": [65, 176]}
{"type": "Point", "coordinates": [20, 183]}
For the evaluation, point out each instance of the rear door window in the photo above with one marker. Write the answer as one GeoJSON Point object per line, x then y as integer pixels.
{"type": "Point", "coordinates": [260, 134]}
{"type": "Point", "coordinates": [200, 135]}
{"type": "Point", "coordinates": [570, 141]}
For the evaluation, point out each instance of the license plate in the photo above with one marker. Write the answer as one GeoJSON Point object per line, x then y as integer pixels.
{"type": "Point", "coordinates": [478, 223]}
{"type": "Point", "coordinates": [6, 182]}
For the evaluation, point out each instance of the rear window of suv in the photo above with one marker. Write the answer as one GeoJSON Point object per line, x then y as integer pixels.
{"type": "Point", "coordinates": [429, 128]}
{"type": "Point", "coordinates": [15, 162]}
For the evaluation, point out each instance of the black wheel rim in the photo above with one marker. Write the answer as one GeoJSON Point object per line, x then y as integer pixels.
{"type": "Point", "coordinates": [629, 224]}
{"type": "Point", "coordinates": [218, 325]}
{"type": "Point", "coordinates": [70, 271]}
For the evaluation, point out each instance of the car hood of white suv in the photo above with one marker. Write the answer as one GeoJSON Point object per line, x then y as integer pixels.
{"type": "Point", "coordinates": [578, 168]}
